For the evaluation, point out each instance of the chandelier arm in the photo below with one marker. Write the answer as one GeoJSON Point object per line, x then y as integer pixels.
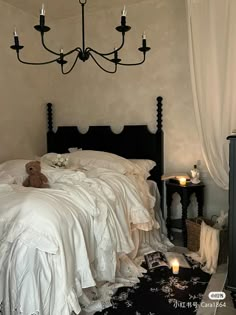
{"type": "Point", "coordinates": [72, 67]}
{"type": "Point", "coordinates": [58, 54]}
{"type": "Point", "coordinates": [132, 64]}
{"type": "Point", "coordinates": [103, 67]}
{"type": "Point", "coordinates": [97, 53]}
{"type": "Point", "coordinates": [110, 53]}
{"type": "Point", "coordinates": [78, 49]}
{"type": "Point", "coordinates": [45, 47]}
{"type": "Point", "coordinates": [35, 63]}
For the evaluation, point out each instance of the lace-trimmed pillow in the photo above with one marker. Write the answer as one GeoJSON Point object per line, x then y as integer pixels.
{"type": "Point", "coordinates": [145, 165]}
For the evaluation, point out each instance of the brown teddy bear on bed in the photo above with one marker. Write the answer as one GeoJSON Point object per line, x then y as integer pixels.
{"type": "Point", "coordinates": [36, 178]}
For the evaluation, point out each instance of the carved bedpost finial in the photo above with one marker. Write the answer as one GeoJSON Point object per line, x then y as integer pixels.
{"type": "Point", "coordinates": [159, 113]}
{"type": "Point", "coordinates": [50, 120]}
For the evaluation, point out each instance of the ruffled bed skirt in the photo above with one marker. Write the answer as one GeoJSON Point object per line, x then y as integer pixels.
{"type": "Point", "coordinates": [31, 279]}
{"type": "Point", "coordinates": [31, 284]}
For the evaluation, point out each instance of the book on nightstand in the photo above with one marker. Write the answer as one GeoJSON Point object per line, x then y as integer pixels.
{"type": "Point", "coordinates": [175, 176]}
{"type": "Point", "coordinates": [164, 259]}
{"type": "Point", "coordinates": [176, 181]}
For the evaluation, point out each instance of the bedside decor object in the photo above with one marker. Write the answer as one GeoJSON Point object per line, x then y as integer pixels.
{"type": "Point", "coordinates": [195, 175]}
{"type": "Point", "coordinates": [175, 176]}
{"type": "Point", "coordinates": [175, 266]}
{"type": "Point", "coordinates": [166, 259]}
{"type": "Point", "coordinates": [175, 256]}
{"type": "Point", "coordinates": [155, 260]}
{"type": "Point", "coordinates": [60, 161]}
{"type": "Point", "coordinates": [82, 53]}
{"type": "Point", "coordinates": [182, 181]}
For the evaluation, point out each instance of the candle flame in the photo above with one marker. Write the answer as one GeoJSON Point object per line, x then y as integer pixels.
{"type": "Point", "coordinates": [182, 181]}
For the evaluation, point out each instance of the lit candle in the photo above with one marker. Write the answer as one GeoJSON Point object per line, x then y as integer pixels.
{"type": "Point", "coordinates": [61, 51]}
{"type": "Point", "coordinates": [123, 16]}
{"type": "Point", "coordinates": [144, 40]}
{"type": "Point", "coordinates": [42, 18]}
{"type": "Point", "coordinates": [175, 266]}
{"type": "Point", "coordinates": [16, 38]}
{"type": "Point", "coordinates": [15, 33]}
{"type": "Point", "coordinates": [182, 181]}
{"type": "Point", "coordinates": [115, 54]}
{"type": "Point", "coordinates": [42, 12]}
{"type": "Point", "coordinates": [124, 11]}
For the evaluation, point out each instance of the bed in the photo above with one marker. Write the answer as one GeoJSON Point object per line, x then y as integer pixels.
{"type": "Point", "coordinates": [67, 248]}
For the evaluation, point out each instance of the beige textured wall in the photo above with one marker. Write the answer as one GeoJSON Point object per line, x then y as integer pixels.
{"type": "Point", "coordinates": [89, 96]}
{"type": "Point", "coordinates": [24, 90]}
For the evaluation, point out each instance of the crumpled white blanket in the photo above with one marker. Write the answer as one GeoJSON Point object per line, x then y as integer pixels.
{"type": "Point", "coordinates": [68, 238]}
{"type": "Point", "coordinates": [209, 248]}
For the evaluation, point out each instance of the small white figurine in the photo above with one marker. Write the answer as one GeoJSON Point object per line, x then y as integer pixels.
{"type": "Point", "coordinates": [195, 175]}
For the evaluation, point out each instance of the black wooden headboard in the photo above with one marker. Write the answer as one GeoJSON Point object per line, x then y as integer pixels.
{"type": "Point", "coordinates": [135, 141]}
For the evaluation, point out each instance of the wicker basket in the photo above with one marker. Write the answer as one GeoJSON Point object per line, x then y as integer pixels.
{"type": "Point", "coordinates": [193, 237]}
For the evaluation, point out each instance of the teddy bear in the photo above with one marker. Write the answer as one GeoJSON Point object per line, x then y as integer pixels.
{"type": "Point", "coordinates": [36, 178]}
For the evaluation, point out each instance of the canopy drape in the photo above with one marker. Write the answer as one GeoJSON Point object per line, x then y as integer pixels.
{"type": "Point", "coordinates": [212, 52]}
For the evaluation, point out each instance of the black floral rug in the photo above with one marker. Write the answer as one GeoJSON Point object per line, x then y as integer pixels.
{"type": "Point", "coordinates": [160, 292]}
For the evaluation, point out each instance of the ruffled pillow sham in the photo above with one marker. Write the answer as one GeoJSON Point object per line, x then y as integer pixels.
{"type": "Point", "coordinates": [145, 164]}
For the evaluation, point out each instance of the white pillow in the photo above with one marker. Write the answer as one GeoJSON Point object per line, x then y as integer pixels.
{"type": "Point", "coordinates": [90, 159]}
{"type": "Point", "coordinates": [74, 149]}
{"type": "Point", "coordinates": [99, 159]}
{"type": "Point", "coordinates": [15, 169]}
{"type": "Point", "coordinates": [145, 164]}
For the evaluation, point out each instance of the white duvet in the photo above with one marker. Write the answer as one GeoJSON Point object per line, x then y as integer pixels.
{"type": "Point", "coordinates": [56, 243]}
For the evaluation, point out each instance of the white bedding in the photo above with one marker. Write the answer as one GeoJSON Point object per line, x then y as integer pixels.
{"type": "Point", "coordinates": [68, 247]}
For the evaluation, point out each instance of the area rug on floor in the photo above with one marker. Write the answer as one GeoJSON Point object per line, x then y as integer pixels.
{"type": "Point", "coordinates": [162, 293]}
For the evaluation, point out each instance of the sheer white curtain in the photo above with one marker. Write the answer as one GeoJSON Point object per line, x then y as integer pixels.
{"type": "Point", "coordinates": [212, 47]}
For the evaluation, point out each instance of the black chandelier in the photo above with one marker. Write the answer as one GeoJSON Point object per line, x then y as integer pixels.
{"type": "Point", "coordinates": [82, 53]}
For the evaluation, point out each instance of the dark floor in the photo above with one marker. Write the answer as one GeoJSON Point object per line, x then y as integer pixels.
{"type": "Point", "coordinates": [216, 284]}
{"type": "Point", "coordinates": [177, 238]}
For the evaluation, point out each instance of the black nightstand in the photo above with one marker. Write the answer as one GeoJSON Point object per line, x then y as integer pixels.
{"type": "Point", "coordinates": [185, 193]}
